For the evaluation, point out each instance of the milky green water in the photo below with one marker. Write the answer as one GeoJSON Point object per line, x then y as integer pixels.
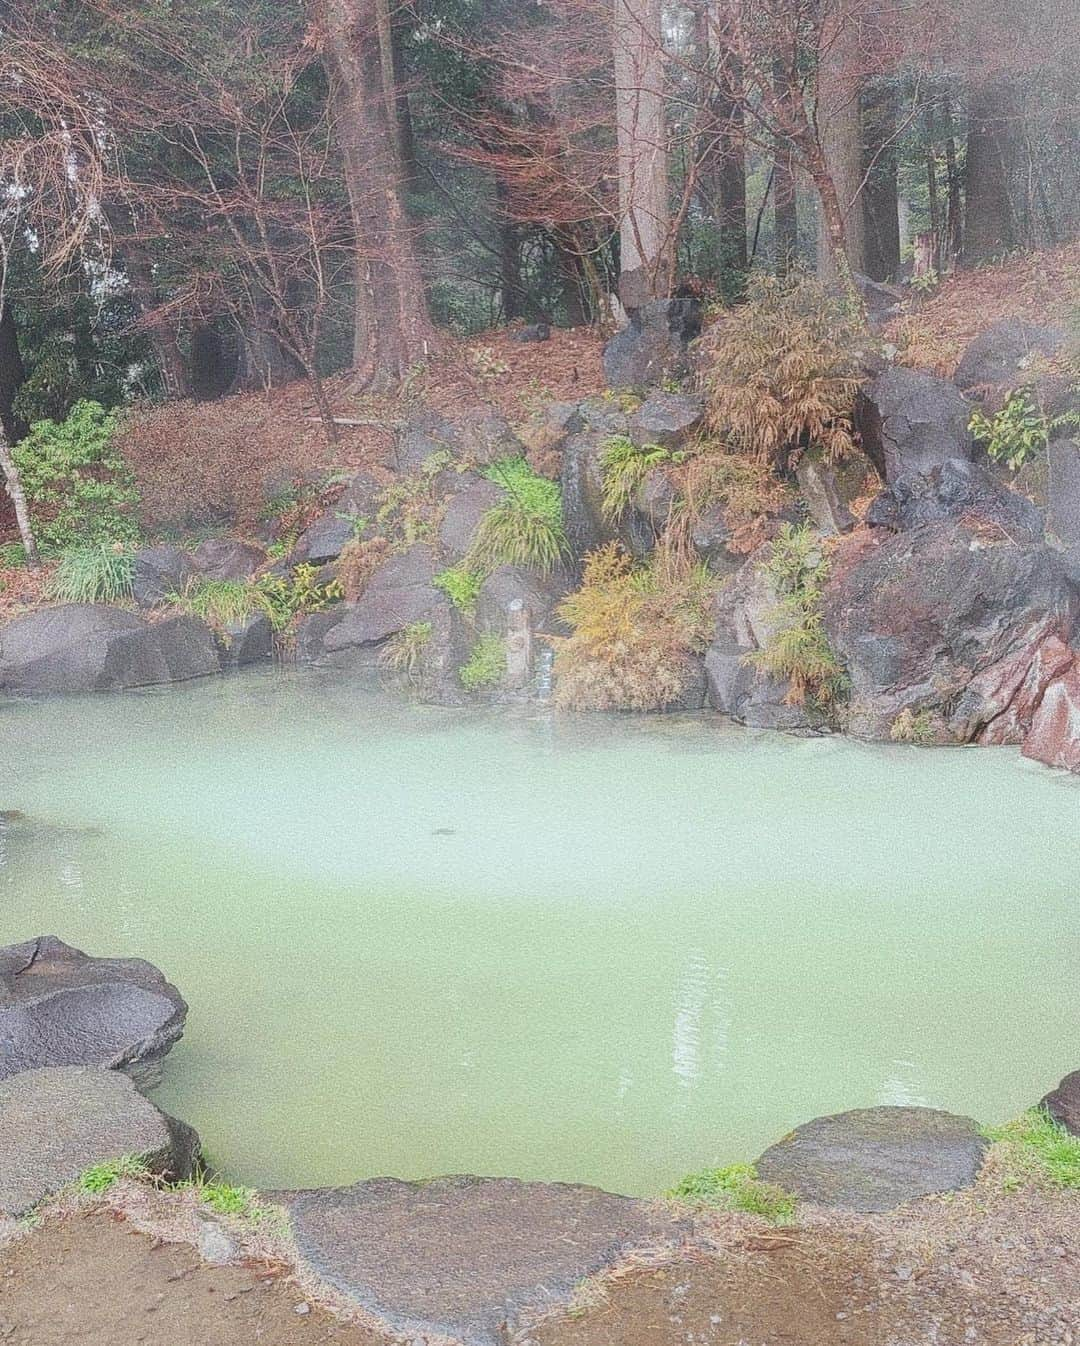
{"type": "Point", "coordinates": [419, 941]}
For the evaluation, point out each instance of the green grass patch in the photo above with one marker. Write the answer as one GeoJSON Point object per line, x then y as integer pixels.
{"type": "Point", "coordinates": [12, 556]}
{"type": "Point", "coordinates": [462, 586]}
{"type": "Point", "coordinates": [487, 664]}
{"type": "Point", "coordinates": [101, 572]}
{"type": "Point", "coordinates": [224, 1198]}
{"type": "Point", "coordinates": [100, 1178]}
{"type": "Point", "coordinates": [623, 467]}
{"type": "Point", "coordinates": [526, 529]}
{"type": "Point", "coordinates": [737, 1187]}
{"type": "Point", "coordinates": [1036, 1151]}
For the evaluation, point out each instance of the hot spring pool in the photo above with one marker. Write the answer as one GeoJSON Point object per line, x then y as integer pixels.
{"type": "Point", "coordinates": [421, 941]}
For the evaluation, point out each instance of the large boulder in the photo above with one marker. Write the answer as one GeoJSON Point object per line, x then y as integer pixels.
{"type": "Point", "coordinates": [469, 1259]}
{"type": "Point", "coordinates": [227, 559]}
{"type": "Point", "coordinates": [1002, 357]}
{"type": "Point", "coordinates": [464, 511]}
{"type": "Point", "coordinates": [61, 1007]}
{"type": "Point", "coordinates": [94, 648]}
{"type": "Point", "coordinates": [918, 618]}
{"type": "Point", "coordinates": [483, 436]}
{"type": "Point", "coordinates": [1053, 736]}
{"type": "Point", "coordinates": [159, 574]}
{"type": "Point", "coordinates": [398, 594]}
{"type": "Point", "coordinates": [653, 344]}
{"type": "Point", "coordinates": [508, 586]}
{"type": "Point", "coordinates": [1063, 1103]}
{"type": "Point", "coordinates": [250, 641]}
{"type": "Point", "coordinates": [424, 434]}
{"type": "Point", "coordinates": [874, 1159]}
{"type": "Point", "coordinates": [57, 1123]}
{"type": "Point", "coordinates": [911, 422]}
{"type": "Point", "coordinates": [1063, 494]}
{"type": "Point", "coordinates": [582, 481]}
{"type": "Point", "coordinates": [324, 540]}
{"type": "Point", "coordinates": [668, 419]}
{"type": "Point", "coordinates": [956, 489]}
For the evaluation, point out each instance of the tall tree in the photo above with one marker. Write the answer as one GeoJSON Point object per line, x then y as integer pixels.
{"type": "Point", "coordinates": [990, 225]}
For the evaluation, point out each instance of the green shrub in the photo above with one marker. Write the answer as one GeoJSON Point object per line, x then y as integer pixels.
{"type": "Point", "coordinates": [1037, 1151]}
{"type": "Point", "coordinates": [737, 1187]}
{"type": "Point", "coordinates": [623, 467]}
{"type": "Point", "coordinates": [461, 586]}
{"type": "Point", "coordinates": [1015, 434]}
{"type": "Point", "coordinates": [799, 650]}
{"type": "Point", "coordinates": [224, 604]}
{"type": "Point", "coordinates": [526, 529]}
{"type": "Point", "coordinates": [98, 573]}
{"type": "Point", "coordinates": [487, 664]}
{"type": "Point", "coordinates": [220, 603]}
{"type": "Point", "coordinates": [76, 481]}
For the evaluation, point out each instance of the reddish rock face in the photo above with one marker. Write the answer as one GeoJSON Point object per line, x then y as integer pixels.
{"type": "Point", "coordinates": [1055, 728]}
{"type": "Point", "coordinates": [1017, 686]}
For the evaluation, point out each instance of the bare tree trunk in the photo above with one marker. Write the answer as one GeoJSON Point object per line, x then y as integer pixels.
{"type": "Point", "coordinates": [18, 499]}
{"type": "Point", "coordinates": [644, 228]}
{"type": "Point", "coordinates": [954, 215]}
{"type": "Point", "coordinates": [881, 197]}
{"type": "Point", "coordinates": [785, 196]}
{"type": "Point", "coordinates": [990, 224]}
{"type": "Point", "coordinates": [840, 128]}
{"type": "Point", "coordinates": [393, 329]}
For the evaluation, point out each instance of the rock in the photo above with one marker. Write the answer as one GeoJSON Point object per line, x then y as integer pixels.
{"type": "Point", "coordinates": [57, 1123]}
{"type": "Point", "coordinates": [882, 301]}
{"type": "Point", "coordinates": [437, 681]}
{"type": "Point", "coordinates": [311, 631]}
{"type": "Point", "coordinates": [1001, 357]}
{"type": "Point", "coordinates": [918, 618]}
{"type": "Point", "coordinates": [361, 497]}
{"type": "Point", "coordinates": [1063, 493]}
{"type": "Point", "coordinates": [1000, 705]}
{"type": "Point", "coordinates": [537, 331]}
{"type": "Point", "coordinates": [654, 343]}
{"type": "Point", "coordinates": [509, 585]}
{"type": "Point", "coordinates": [247, 642]}
{"type": "Point", "coordinates": [710, 536]}
{"type": "Point", "coordinates": [61, 1007]}
{"type": "Point", "coordinates": [1054, 734]}
{"type": "Point", "coordinates": [159, 574]}
{"type": "Point", "coordinates": [606, 415]}
{"type": "Point", "coordinates": [818, 484]}
{"type": "Point", "coordinates": [874, 1159]}
{"type": "Point", "coordinates": [655, 498]}
{"type": "Point", "coordinates": [216, 1247]}
{"type": "Point", "coordinates": [582, 481]}
{"type": "Point", "coordinates": [398, 594]}
{"type": "Point", "coordinates": [551, 426]}
{"type": "Point", "coordinates": [227, 559]}
{"type": "Point", "coordinates": [325, 539]}
{"type": "Point", "coordinates": [467, 1258]}
{"type": "Point", "coordinates": [668, 419]}
{"type": "Point", "coordinates": [463, 513]}
{"type": "Point", "coordinates": [1063, 1103]}
{"type": "Point", "coordinates": [912, 422]}
{"type": "Point", "coordinates": [484, 436]}
{"type": "Point", "coordinates": [955, 489]}
{"type": "Point", "coordinates": [424, 434]}
{"type": "Point", "coordinates": [94, 648]}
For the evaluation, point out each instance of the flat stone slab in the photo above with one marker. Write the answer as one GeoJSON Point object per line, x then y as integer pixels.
{"type": "Point", "coordinates": [55, 1124]}
{"type": "Point", "coordinates": [1063, 1103]}
{"type": "Point", "coordinates": [468, 1258]}
{"type": "Point", "coordinates": [874, 1159]}
{"type": "Point", "coordinates": [61, 1007]}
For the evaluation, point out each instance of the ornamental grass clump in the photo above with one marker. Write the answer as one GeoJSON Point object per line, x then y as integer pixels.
{"type": "Point", "coordinates": [782, 371]}
{"type": "Point", "coordinates": [101, 572]}
{"type": "Point", "coordinates": [635, 632]}
{"type": "Point", "coordinates": [623, 468]}
{"type": "Point", "coordinates": [526, 529]}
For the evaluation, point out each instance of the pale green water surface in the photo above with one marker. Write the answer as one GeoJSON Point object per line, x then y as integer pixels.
{"type": "Point", "coordinates": [420, 941]}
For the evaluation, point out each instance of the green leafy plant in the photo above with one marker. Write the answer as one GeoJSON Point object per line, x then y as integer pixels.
{"type": "Point", "coordinates": [798, 649]}
{"type": "Point", "coordinates": [623, 467]}
{"type": "Point", "coordinates": [403, 653]}
{"type": "Point", "coordinates": [461, 586]}
{"type": "Point", "coordinates": [1015, 434]}
{"type": "Point", "coordinates": [926, 283]}
{"type": "Point", "coordinates": [526, 529]}
{"type": "Point", "coordinates": [486, 666]}
{"type": "Point", "coordinates": [224, 1198]}
{"type": "Point", "coordinates": [737, 1187]}
{"type": "Point", "coordinates": [100, 1178]}
{"type": "Point", "coordinates": [101, 572]}
{"type": "Point", "coordinates": [226, 604]}
{"type": "Point", "coordinates": [79, 487]}
{"type": "Point", "coordinates": [1037, 1151]}
{"type": "Point", "coordinates": [410, 507]}
{"type": "Point", "coordinates": [12, 556]}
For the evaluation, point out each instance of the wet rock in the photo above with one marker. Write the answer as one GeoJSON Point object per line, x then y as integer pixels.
{"type": "Point", "coordinates": [912, 422]}
{"type": "Point", "coordinates": [463, 514]}
{"type": "Point", "coordinates": [582, 481]}
{"type": "Point", "coordinates": [882, 301]}
{"type": "Point", "coordinates": [668, 419]}
{"type": "Point", "coordinates": [56, 1123]}
{"type": "Point", "coordinates": [325, 539]}
{"type": "Point", "coordinates": [1054, 735]}
{"type": "Point", "coordinates": [821, 491]}
{"type": "Point", "coordinates": [227, 559]}
{"type": "Point", "coordinates": [95, 648]}
{"type": "Point", "coordinates": [874, 1159]}
{"type": "Point", "coordinates": [61, 1007]}
{"type": "Point", "coordinates": [159, 574]}
{"type": "Point", "coordinates": [1063, 494]}
{"type": "Point", "coordinates": [916, 619]}
{"type": "Point", "coordinates": [361, 497]}
{"type": "Point", "coordinates": [1063, 1103]}
{"type": "Point", "coordinates": [655, 498]}
{"type": "Point", "coordinates": [653, 345]}
{"type": "Point", "coordinates": [247, 642]}
{"type": "Point", "coordinates": [549, 428]}
{"type": "Point", "coordinates": [1002, 356]}
{"type": "Point", "coordinates": [1000, 705]}
{"type": "Point", "coordinates": [484, 436]}
{"type": "Point", "coordinates": [437, 680]}
{"type": "Point", "coordinates": [710, 536]}
{"type": "Point", "coordinates": [467, 1258]}
{"type": "Point", "coordinates": [398, 594]}
{"type": "Point", "coordinates": [424, 434]}
{"type": "Point", "coordinates": [956, 489]}
{"type": "Point", "coordinates": [311, 631]}
{"type": "Point", "coordinates": [509, 585]}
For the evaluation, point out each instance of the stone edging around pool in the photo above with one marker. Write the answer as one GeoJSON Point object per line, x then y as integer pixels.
{"type": "Point", "coordinates": [466, 1258]}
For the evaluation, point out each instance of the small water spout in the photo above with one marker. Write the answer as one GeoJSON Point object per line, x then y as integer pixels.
{"type": "Point", "coordinates": [545, 680]}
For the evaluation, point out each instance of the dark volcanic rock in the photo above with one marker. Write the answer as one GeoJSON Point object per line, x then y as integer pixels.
{"type": "Point", "coordinates": [820, 489]}
{"type": "Point", "coordinates": [463, 513]}
{"type": "Point", "coordinates": [227, 559]}
{"type": "Point", "coordinates": [667, 419]}
{"type": "Point", "coordinates": [537, 331]}
{"type": "Point", "coordinates": [94, 648]}
{"type": "Point", "coordinates": [917, 619]}
{"type": "Point", "coordinates": [882, 301]}
{"type": "Point", "coordinates": [956, 488]}
{"type": "Point", "coordinates": [509, 585]}
{"type": "Point", "coordinates": [1063, 513]}
{"type": "Point", "coordinates": [874, 1159]}
{"type": "Point", "coordinates": [653, 344]}
{"type": "Point", "coordinates": [582, 481]}
{"type": "Point", "coordinates": [56, 1123]}
{"type": "Point", "coordinates": [325, 539]}
{"type": "Point", "coordinates": [398, 594]}
{"type": "Point", "coordinates": [159, 574]}
{"type": "Point", "coordinates": [1001, 357]}
{"type": "Point", "coordinates": [912, 422]}
{"type": "Point", "coordinates": [60, 1007]}
{"type": "Point", "coordinates": [483, 436]}
{"type": "Point", "coordinates": [1063, 1103]}
{"type": "Point", "coordinates": [468, 1258]}
{"type": "Point", "coordinates": [424, 434]}
{"type": "Point", "coordinates": [248, 642]}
